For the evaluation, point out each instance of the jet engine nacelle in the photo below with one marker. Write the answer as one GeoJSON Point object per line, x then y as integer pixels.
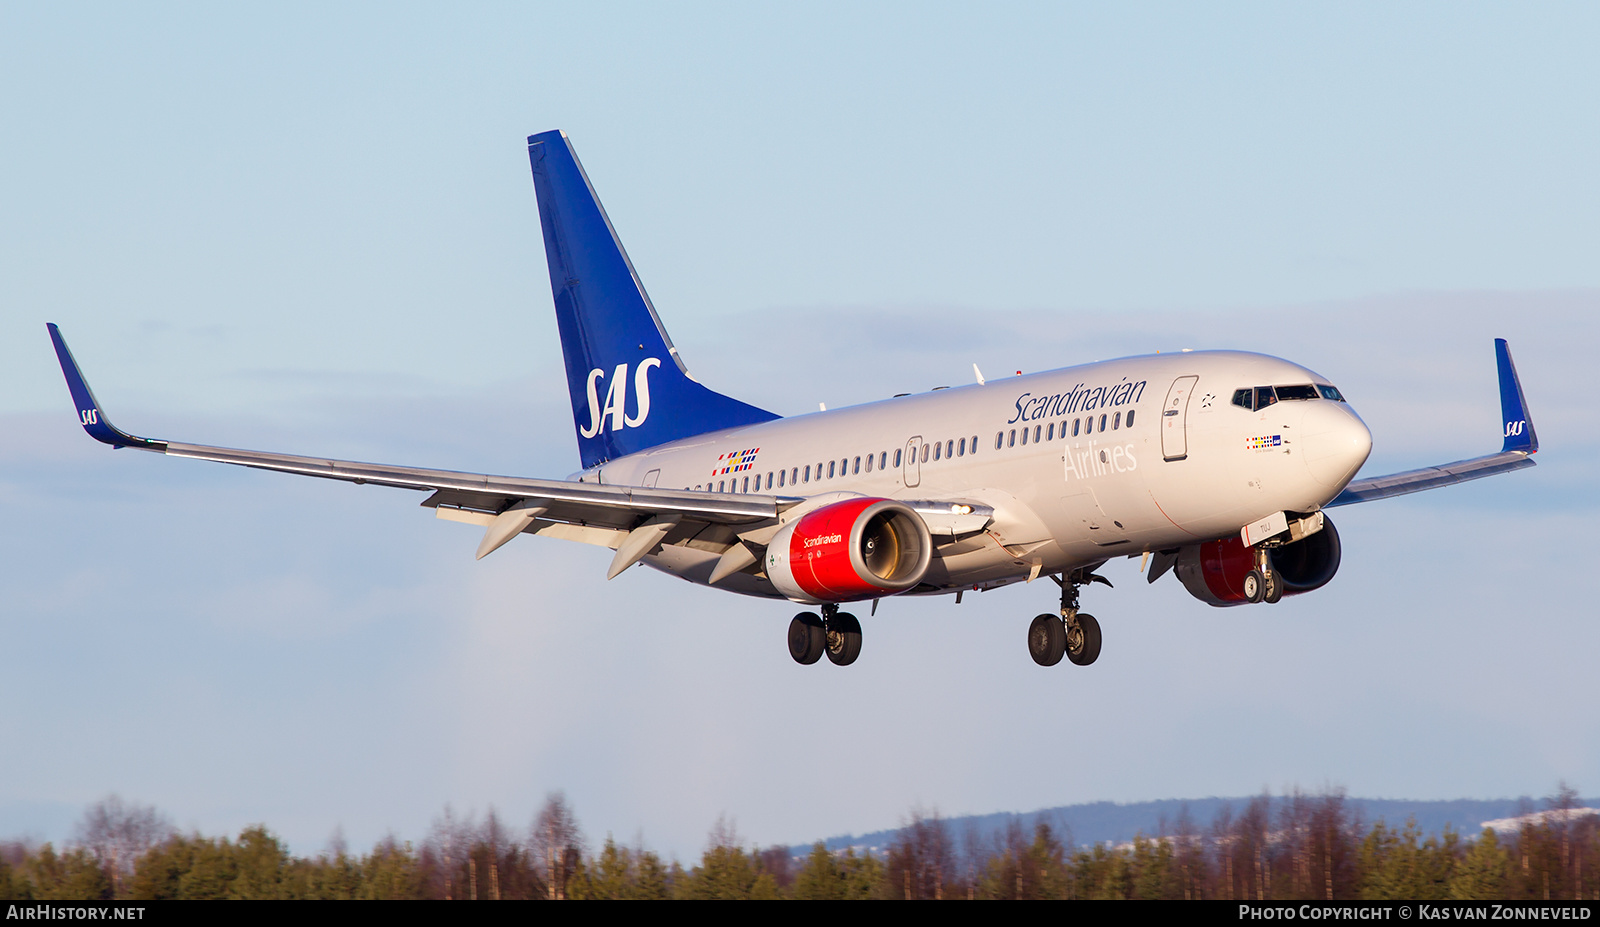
{"type": "Point", "coordinates": [846, 551]}
{"type": "Point", "coordinates": [1214, 572]}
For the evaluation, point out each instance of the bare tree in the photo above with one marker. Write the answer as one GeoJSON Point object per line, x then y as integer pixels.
{"type": "Point", "coordinates": [495, 841]}
{"type": "Point", "coordinates": [445, 854]}
{"type": "Point", "coordinates": [118, 834]}
{"type": "Point", "coordinates": [922, 859]}
{"type": "Point", "coordinates": [556, 844]}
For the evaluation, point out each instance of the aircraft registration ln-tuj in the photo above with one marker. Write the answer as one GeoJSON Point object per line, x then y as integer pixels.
{"type": "Point", "coordinates": [1216, 466]}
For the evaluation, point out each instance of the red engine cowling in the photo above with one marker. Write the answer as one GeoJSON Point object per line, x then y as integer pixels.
{"type": "Point", "coordinates": [1214, 572]}
{"type": "Point", "coordinates": [850, 550]}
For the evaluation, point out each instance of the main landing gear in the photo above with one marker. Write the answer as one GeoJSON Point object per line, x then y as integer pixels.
{"type": "Point", "coordinates": [1073, 633]}
{"type": "Point", "coordinates": [835, 633]}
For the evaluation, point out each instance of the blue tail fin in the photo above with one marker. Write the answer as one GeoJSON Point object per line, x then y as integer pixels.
{"type": "Point", "coordinates": [630, 391]}
{"type": "Point", "coordinates": [1519, 432]}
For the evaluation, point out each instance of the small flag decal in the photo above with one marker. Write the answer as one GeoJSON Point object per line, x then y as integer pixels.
{"type": "Point", "coordinates": [735, 461]}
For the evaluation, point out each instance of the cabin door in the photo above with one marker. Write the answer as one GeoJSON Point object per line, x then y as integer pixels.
{"type": "Point", "coordinates": [1174, 413]}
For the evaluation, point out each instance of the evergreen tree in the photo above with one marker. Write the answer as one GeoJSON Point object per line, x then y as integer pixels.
{"type": "Point", "coordinates": [1484, 872]}
{"type": "Point", "coordinates": [71, 876]}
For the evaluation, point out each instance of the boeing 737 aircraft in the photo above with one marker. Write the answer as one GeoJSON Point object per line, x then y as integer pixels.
{"type": "Point", "coordinates": [1216, 466]}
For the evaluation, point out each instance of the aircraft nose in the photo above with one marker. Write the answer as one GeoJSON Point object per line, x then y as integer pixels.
{"type": "Point", "coordinates": [1337, 442]}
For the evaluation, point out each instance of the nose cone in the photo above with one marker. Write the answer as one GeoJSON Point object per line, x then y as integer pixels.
{"type": "Point", "coordinates": [1336, 442]}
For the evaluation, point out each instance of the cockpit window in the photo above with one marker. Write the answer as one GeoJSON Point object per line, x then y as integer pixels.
{"type": "Point", "coordinates": [1330, 392]}
{"type": "Point", "coordinates": [1265, 397]}
{"type": "Point", "coordinates": [1306, 391]}
{"type": "Point", "coordinates": [1244, 398]}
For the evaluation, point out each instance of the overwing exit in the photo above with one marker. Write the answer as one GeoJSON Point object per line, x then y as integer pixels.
{"type": "Point", "coordinates": [1216, 466]}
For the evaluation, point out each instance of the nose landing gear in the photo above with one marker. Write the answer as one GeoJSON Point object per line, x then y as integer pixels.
{"type": "Point", "coordinates": [1262, 583]}
{"type": "Point", "coordinates": [1073, 633]}
{"type": "Point", "coordinates": [835, 633]}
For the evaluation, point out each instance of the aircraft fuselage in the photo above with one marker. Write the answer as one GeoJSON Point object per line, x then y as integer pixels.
{"type": "Point", "coordinates": [1097, 461]}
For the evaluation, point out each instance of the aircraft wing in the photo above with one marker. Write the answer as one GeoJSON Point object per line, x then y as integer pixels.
{"type": "Point", "coordinates": [1521, 443]}
{"type": "Point", "coordinates": [610, 516]}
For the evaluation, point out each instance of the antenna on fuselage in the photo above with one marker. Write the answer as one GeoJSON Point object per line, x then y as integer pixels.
{"type": "Point", "coordinates": [977, 373]}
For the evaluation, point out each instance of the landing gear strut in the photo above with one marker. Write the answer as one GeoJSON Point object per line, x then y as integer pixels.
{"type": "Point", "coordinates": [835, 633]}
{"type": "Point", "coordinates": [1074, 633]}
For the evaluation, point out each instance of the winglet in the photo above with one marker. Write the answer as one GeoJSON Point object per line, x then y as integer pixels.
{"type": "Point", "coordinates": [90, 415]}
{"type": "Point", "coordinates": [1519, 433]}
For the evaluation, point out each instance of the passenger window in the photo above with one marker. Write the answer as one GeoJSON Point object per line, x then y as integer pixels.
{"type": "Point", "coordinates": [950, 448]}
{"type": "Point", "coordinates": [808, 473]}
{"type": "Point", "coordinates": [1088, 425]}
{"type": "Point", "coordinates": [769, 479]}
{"type": "Point", "coordinates": [883, 460]}
{"type": "Point", "coordinates": [869, 462]}
{"type": "Point", "coordinates": [936, 449]}
{"type": "Point", "coordinates": [830, 469]}
{"type": "Point", "coordinates": [925, 453]}
{"type": "Point", "coordinates": [856, 467]}
{"type": "Point", "coordinates": [1102, 421]}
{"type": "Point", "coordinates": [720, 485]}
{"type": "Point", "coordinates": [1265, 397]}
{"type": "Point", "coordinates": [794, 476]}
{"type": "Point", "coordinates": [844, 466]}
{"type": "Point", "coordinates": [747, 485]}
{"type": "Point", "coordinates": [961, 448]}
{"type": "Point", "coordinates": [1075, 423]}
{"type": "Point", "coordinates": [1036, 430]}
{"type": "Point", "coordinates": [781, 475]}
{"type": "Point", "coordinates": [999, 439]}
{"type": "Point", "coordinates": [1244, 398]}
{"type": "Point", "coordinates": [1130, 417]}
{"type": "Point", "coordinates": [897, 453]}
{"type": "Point", "coordinates": [1116, 421]}
{"type": "Point", "coordinates": [1050, 433]}
{"type": "Point", "coordinates": [697, 487]}
{"type": "Point", "coordinates": [1011, 440]}
{"type": "Point", "coordinates": [974, 444]}
{"type": "Point", "coordinates": [1024, 437]}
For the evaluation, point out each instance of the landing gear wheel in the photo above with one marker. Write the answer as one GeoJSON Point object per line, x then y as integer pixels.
{"type": "Point", "coordinates": [843, 639]}
{"type": "Point", "coordinates": [1083, 641]}
{"type": "Point", "coordinates": [1254, 586]}
{"type": "Point", "coordinates": [806, 641]}
{"type": "Point", "coordinates": [1274, 588]}
{"type": "Point", "coordinates": [1047, 640]}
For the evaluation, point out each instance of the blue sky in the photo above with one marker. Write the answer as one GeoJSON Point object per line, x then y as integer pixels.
{"type": "Point", "coordinates": [312, 230]}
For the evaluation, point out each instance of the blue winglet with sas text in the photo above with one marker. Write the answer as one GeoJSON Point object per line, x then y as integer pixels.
{"type": "Point", "coordinates": [1519, 432]}
{"type": "Point", "coordinates": [90, 415]}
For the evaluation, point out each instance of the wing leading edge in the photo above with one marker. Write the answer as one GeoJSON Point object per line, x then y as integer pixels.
{"type": "Point", "coordinates": [610, 508]}
{"type": "Point", "coordinates": [1521, 443]}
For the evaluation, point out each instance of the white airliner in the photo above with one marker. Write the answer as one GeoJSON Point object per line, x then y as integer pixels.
{"type": "Point", "coordinates": [1217, 466]}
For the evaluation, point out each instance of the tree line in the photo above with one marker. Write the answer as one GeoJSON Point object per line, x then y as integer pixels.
{"type": "Point", "coordinates": [1298, 846]}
